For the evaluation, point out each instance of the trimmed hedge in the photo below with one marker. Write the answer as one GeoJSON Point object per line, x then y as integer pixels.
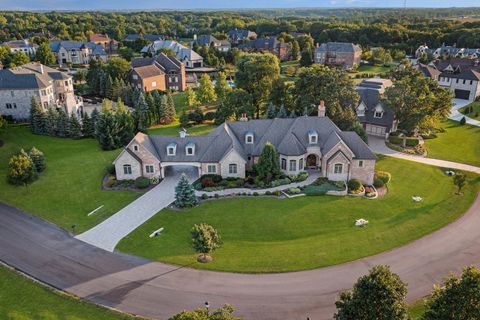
{"type": "Point", "coordinates": [354, 185]}
{"type": "Point", "coordinates": [142, 183]}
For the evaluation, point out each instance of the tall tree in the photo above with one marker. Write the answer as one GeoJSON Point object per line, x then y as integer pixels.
{"type": "Point", "coordinates": [295, 50]}
{"type": "Point", "coordinates": [460, 179]}
{"type": "Point", "coordinates": [221, 86]}
{"type": "Point", "coordinates": [75, 128]}
{"type": "Point", "coordinates": [63, 124]}
{"type": "Point", "coordinates": [21, 169]}
{"type": "Point", "coordinates": [271, 113]}
{"type": "Point", "coordinates": [268, 166]}
{"type": "Point", "coordinates": [191, 98]}
{"type": "Point", "coordinates": [37, 118]}
{"type": "Point", "coordinates": [88, 127]}
{"type": "Point", "coordinates": [457, 298]}
{"type": "Point", "coordinates": [141, 114]}
{"type": "Point", "coordinates": [306, 58]}
{"type": "Point", "coordinates": [205, 240]}
{"type": "Point", "coordinates": [378, 295]}
{"type": "Point", "coordinates": [44, 54]}
{"type": "Point", "coordinates": [206, 93]}
{"type": "Point", "coordinates": [105, 130]}
{"type": "Point", "coordinates": [38, 159]}
{"type": "Point", "coordinates": [169, 112]}
{"type": "Point", "coordinates": [159, 110]}
{"type": "Point", "coordinates": [256, 74]}
{"type": "Point", "coordinates": [19, 59]}
{"type": "Point", "coordinates": [124, 124]}
{"type": "Point", "coordinates": [236, 103]}
{"type": "Point", "coordinates": [118, 68]}
{"type": "Point", "coordinates": [282, 113]}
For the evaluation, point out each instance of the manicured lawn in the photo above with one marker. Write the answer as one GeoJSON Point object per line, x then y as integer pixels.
{"type": "Point", "coordinates": [475, 114]}
{"type": "Point", "coordinates": [458, 144]}
{"type": "Point", "coordinates": [180, 101]}
{"type": "Point", "coordinates": [173, 129]}
{"type": "Point", "coordinates": [286, 67]}
{"type": "Point", "coordinates": [374, 69]}
{"type": "Point", "coordinates": [22, 299]}
{"type": "Point", "coordinates": [70, 187]}
{"type": "Point", "coordinates": [417, 309]}
{"type": "Point", "coordinates": [278, 235]}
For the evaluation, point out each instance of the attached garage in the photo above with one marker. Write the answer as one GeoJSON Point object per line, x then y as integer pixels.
{"type": "Point", "coordinates": [375, 130]}
{"type": "Point", "coordinates": [462, 94]}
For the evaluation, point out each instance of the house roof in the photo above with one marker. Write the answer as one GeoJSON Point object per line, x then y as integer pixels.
{"type": "Point", "coordinates": [371, 99]}
{"type": "Point", "coordinates": [339, 47]}
{"type": "Point", "coordinates": [148, 37]}
{"type": "Point", "coordinates": [241, 34]}
{"type": "Point", "coordinates": [167, 64]}
{"type": "Point", "coordinates": [375, 83]}
{"type": "Point", "coordinates": [30, 76]}
{"type": "Point", "coordinates": [97, 49]}
{"type": "Point", "coordinates": [181, 52]}
{"type": "Point", "coordinates": [19, 44]}
{"type": "Point", "coordinates": [264, 43]}
{"type": "Point", "coordinates": [152, 70]}
{"type": "Point", "coordinates": [428, 71]}
{"type": "Point", "coordinates": [97, 37]}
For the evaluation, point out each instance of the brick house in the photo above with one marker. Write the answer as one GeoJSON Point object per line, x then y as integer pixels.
{"type": "Point", "coordinates": [110, 45]}
{"type": "Point", "coordinates": [313, 143]}
{"type": "Point", "coordinates": [270, 44]}
{"type": "Point", "coordinates": [158, 73]}
{"type": "Point", "coordinates": [341, 54]}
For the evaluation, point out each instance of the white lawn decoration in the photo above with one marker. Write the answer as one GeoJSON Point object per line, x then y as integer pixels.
{"type": "Point", "coordinates": [417, 198]}
{"type": "Point", "coordinates": [94, 211]}
{"type": "Point", "coordinates": [361, 222]}
{"type": "Point", "coordinates": [450, 173]}
{"type": "Point", "coordinates": [156, 233]}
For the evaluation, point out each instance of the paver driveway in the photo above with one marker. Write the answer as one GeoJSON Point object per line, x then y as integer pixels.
{"type": "Point", "coordinates": [107, 234]}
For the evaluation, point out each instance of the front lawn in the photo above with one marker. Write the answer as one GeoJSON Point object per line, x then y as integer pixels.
{"type": "Point", "coordinates": [70, 187]}
{"type": "Point", "coordinates": [458, 143]}
{"type": "Point", "coordinates": [22, 299]}
{"type": "Point", "coordinates": [474, 112]}
{"type": "Point", "coordinates": [374, 70]}
{"type": "Point", "coordinates": [279, 235]}
{"type": "Point", "coordinates": [174, 128]}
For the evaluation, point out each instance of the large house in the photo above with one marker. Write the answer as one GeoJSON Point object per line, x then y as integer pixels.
{"type": "Point", "coordinates": [270, 44]}
{"type": "Point", "coordinates": [460, 75]}
{"type": "Point", "coordinates": [448, 52]}
{"type": "Point", "coordinates": [209, 40]}
{"type": "Point", "coordinates": [341, 54]}
{"type": "Point", "coordinates": [158, 73]}
{"type": "Point", "coordinates": [237, 36]}
{"type": "Point", "coordinates": [375, 117]}
{"type": "Point", "coordinates": [77, 52]}
{"type": "Point", "coordinates": [52, 88]}
{"type": "Point", "coordinates": [190, 58]}
{"type": "Point", "coordinates": [24, 46]}
{"type": "Point", "coordinates": [110, 45]}
{"type": "Point", "coordinates": [148, 37]}
{"type": "Point", "coordinates": [233, 148]}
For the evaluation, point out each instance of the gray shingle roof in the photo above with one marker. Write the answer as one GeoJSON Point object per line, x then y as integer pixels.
{"type": "Point", "coordinates": [30, 76]}
{"type": "Point", "coordinates": [371, 98]}
{"type": "Point", "coordinates": [97, 49]}
{"type": "Point", "coordinates": [339, 47]}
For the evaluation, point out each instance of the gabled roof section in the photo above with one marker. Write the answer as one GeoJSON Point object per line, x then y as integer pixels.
{"type": "Point", "coordinates": [357, 145]}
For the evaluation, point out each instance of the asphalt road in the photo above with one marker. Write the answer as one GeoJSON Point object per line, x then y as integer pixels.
{"type": "Point", "coordinates": [157, 290]}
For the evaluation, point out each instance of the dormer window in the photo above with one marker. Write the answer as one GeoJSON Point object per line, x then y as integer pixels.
{"type": "Point", "coordinates": [249, 138]}
{"type": "Point", "coordinates": [171, 149]}
{"type": "Point", "coordinates": [378, 113]}
{"type": "Point", "coordinates": [190, 149]}
{"type": "Point", "coordinates": [312, 137]}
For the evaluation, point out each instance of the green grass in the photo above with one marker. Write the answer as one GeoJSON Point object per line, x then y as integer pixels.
{"type": "Point", "coordinates": [283, 69]}
{"type": "Point", "coordinates": [70, 187]}
{"type": "Point", "coordinates": [376, 69]}
{"type": "Point", "coordinates": [22, 299]}
{"type": "Point", "coordinates": [180, 101]}
{"type": "Point", "coordinates": [417, 309]}
{"type": "Point", "coordinates": [279, 235]}
{"type": "Point", "coordinates": [475, 114]}
{"type": "Point", "coordinates": [458, 144]}
{"type": "Point", "coordinates": [173, 129]}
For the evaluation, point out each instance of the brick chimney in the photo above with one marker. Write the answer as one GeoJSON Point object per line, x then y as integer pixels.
{"type": "Point", "coordinates": [321, 109]}
{"type": "Point", "coordinates": [244, 117]}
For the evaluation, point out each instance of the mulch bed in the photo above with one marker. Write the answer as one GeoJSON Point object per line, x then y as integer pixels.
{"type": "Point", "coordinates": [131, 187]}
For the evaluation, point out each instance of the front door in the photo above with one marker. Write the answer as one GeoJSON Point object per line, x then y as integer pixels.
{"type": "Point", "coordinates": [311, 161]}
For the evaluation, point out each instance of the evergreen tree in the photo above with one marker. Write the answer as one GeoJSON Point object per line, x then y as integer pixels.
{"type": "Point", "coordinates": [295, 50]}
{"type": "Point", "coordinates": [88, 128]}
{"type": "Point", "coordinates": [126, 93]}
{"type": "Point", "coordinates": [75, 128]}
{"type": "Point", "coordinates": [21, 169]}
{"type": "Point", "coordinates": [125, 124]}
{"type": "Point", "coordinates": [116, 88]}
{"type": "Point", "coordinates": [169, 110]}
{"type": "Point", "coordinates": [293, 114]}
{"type": "Point", "coordinates": [151, 108]}
{"type": "Point", "coordinates": [221, 86]}
{"type": "Point", "coordinates": [108, 87]}
{"type": "Point", "coordinates": [105, 128]}
{"type": "Point", "coordinates": [102, 83]}
{"type": "Point", "coordinates": [93, 119]}
{"type": "Point", "coordinates": [305, 112]}
{"type": "Point", "coordinates": [52, 122]}
{"type": "Point", "coordinates": [271, 111]}
{"type": "Point", "coordinates": [282, 113]}
{"type": "Point", "coordinates": [159, 113]}
{"type": "Point", "coordinates": [63, 124]}
{"type": "Point", "coordinates": [185, 193]}
{"type": "Point", "coordinates": [306, 59]}
{"type": "Point", "coordinates": [141, 114]}
{"type": "Point", "coordinates": [268, 166]}
{"type": "Point", "coordinates": [37, 118]}
{"type": "Point", "coordinates": [206, 93]}
{"type": "Point", "coordinates": [38, 159]}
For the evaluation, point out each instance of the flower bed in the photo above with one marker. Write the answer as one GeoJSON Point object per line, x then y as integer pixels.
{"type": "Point", "coordinates": [323, 186]}
{"type": "Point", "coordinates": [138, 185]}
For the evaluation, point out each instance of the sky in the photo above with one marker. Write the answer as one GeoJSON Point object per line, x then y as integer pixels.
{"type": "Point", "coordinates": [217, 4]}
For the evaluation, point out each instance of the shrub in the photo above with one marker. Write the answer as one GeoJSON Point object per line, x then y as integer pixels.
{"type": "Point", "coordinates": [110, 169]}
{"type": "Point", "coordinates": [384, 176]}
{"type": "Point", "coordinates": [395, 140]}
{"type": "Point", "coordinates": [111, 182]}
{"type": "Point", "coordinates": [210, 116]}
{"type": "Point", "coordinates": [216, 196]}
{"type": "Point", "coordinates": [255, 194]}
{"type": "Point", "coordinates": [463, 121]}
{"type": "Point", "coordinates": [22, 170]}
{"type": "Point", "coordinates": [412, 142]}
{"type": "Point", "coordinates": [211, 189]}
{"type": "Point", "coordinates": [354, 185]}
{"type": "Point", "coordinates": [38, 159]}
{"type": "Point", "coordinates": [154, 181]}
{"type": "Point", "coordinates": [204, 196]}
{"type": "Point", "coordinates": [215, 177]}
{"type": "Point", "coordinates": [198, 186]}
{"type": "Point", "coordinates": [232, 184]}
{"type": "Point", "coordinates": [378, 183]}
{"type": "Point", "coordinates": [302, 176]}
{"type": "Point", "coordinates": [142, 183]}
{"type": "Point", "coordinates": [280, 182]}
{"type": "Point", "coordinates": [294, 190]}
{"type": "Point", "coordinates": [207, 182]}
{"type": "Point", "coordinates": [420, 149]}
{"type": "Point", "coordinates": [240, 183]}
{"type": "Point", "coordinates": [268, 193]}
{"type": "Point", "coordinates": [320, 181]}
{"type": "Point", "coordinates": [339, 184]}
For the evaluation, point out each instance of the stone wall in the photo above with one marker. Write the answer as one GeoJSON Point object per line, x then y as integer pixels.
{"type": "Point", "coordinates": [365, 173]}
{"type": "Point", "coordinates": [127, 158]}
{"type": "Point", "coordinates": [232, 158]}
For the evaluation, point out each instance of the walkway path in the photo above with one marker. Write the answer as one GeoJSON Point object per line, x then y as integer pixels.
{"type": "Point", "coordinates": [457, 116]}
{"type": "Point", "coordinates": [377, 144]}
{"type": "Point", "coordinates": [108, 233]}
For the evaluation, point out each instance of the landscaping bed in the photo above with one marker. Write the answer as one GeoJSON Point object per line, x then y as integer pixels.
{"type": "Point", "coordinates": [412, 144]}
{"type": "Point", "coordinates": [138, 185]}
{"type": "Point", "coordinates": [472, 110]}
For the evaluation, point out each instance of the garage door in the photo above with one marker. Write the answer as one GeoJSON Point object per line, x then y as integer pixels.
{"type": "Point", "coordinates": [462, 94]}
{"type": "Point", "coordinates": [375, 130]}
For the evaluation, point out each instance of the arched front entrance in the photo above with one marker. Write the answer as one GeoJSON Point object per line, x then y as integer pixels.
{"type": "Point", "coordinates": [312, 161]}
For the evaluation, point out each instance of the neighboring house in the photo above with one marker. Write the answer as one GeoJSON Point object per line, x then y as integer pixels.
{"type": "Point", "coordinates": [158, 73]}
{"type": "Point", "coordinates": [341, 54]}
{"type": "Point", "coordinates": [237, 36]}
{"type": "Point", "coordinates": [110, 45]}
{"type": "Point", "coordinates": [270, 44]}
{"type": "Point", "coordinates": [209, 40]}
{"type": "Point", "coordinates": [148, 37]}
{"type": "Point", "coordinates": [25, 46]}
{"type": "Point", "coordinates": [460, 75]}
{"type": "Point", "coordinates": [190, 58]}
{"type": "Point", "coordinates": [77, 52]}
{"type": "Point", "coordinates": [448, 51]}
{"type": "Point", "coordinates": [52, 88]}
{"type": "Point", "coordinates": [375, 118]}
{"type": "Point", "coordinates": [233, 148]}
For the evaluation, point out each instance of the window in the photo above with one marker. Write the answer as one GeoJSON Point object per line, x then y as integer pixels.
{"type": "Point", "coordinates": [135, 148]}
{"type": "Point", "coordinates": [232, 168]}
{"type": "Point", "coordinates": [312, 136]}
{"type": "Point", "coordinates": [66, 83]}
{"type": "Point", "coordinates": [171, 151]}
{"type": "Point", "coordinates": [44, 93]}
{"type": "Point", "coordinates": [360, 163]}
{"type": "Point", "coordinates": [9, 106]}
{"type": "Point", "coordinates": [134, 77]}
{"type": "Point", "coordinates": [300, 164]}
{"type": "Point", "coordinates": [14, 106]}
{"type": "Point", "coordinates": [249, 138]}
{"type": "Point", "coordinates": [189, 151]}
{"type": "Point", "coordinates": [293, 165]}
{"type": "Point", "coordinates": [154, 83]}
{"type": "Point", "coordinates": [149, 168]}
{"type": "Point", "coordinates": [127, 169]}
{"type": "Point", "coordinates": [284, 164]}
{"type": "Point", "coordinates": [338, 168]}
{"type": "Point", "coordinates": [378, 114]}
{"type": "Point", "coordinates": [211, 168]}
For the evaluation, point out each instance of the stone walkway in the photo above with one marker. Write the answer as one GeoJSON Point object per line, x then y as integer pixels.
{"type": "Point", "coordinates": [377, 144]}
{"type": "Point", "coordinates": [108, 233]}
{"type": "Point", "coordinates": [457, 116]}
{"type": "Point", "coordinates": [313, 175]}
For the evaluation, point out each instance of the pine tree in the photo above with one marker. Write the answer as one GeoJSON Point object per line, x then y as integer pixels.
{"type": "Point", "coordinates": [38, 159]}
{"type": "Point", "coordinates": [268, 166]}
{"type": "Point", "coordinates": [108, 87]}
{"type": "Point", "coordinates": [102, 83]}
{"type": "Point", "coordinates": [294, 52]}
{"type": "Point", "coordinates": [116, 89]}
{"type": "Point", "coordinates": [159, 112]}
{"type": "Point", "coordinates": [63, 124]}
{"type": "Point", "coordinates": [305, 112]}
{"type": "Point", "coordinates": [105, 127]}
{"type": "Point", "coordinates": [282, 113]}
{"type": "Point", "coordinates": [191, 98]}
{"type": "Point", "coordinates": [75, 128]}
{"type": "Point", "coordinates": [126, 93]}
{"type": "Point", "coordinates": [35, 117]}
{"type": "Point", "coordinates": [169, 111]}
{"type": "Point", "coordinates": [88, 129]}
{"type": "Point", "coordinates": [52, 122]}
{"type": "Point", "coordinates": [93, 119]}
{"type": "Point", "coordinates": [271, 111]}
{"type": "Point", "coordinates": [141, 114]}
{"type": "Point", "coordinates": [124, 124]}
{"type": "Point", "coordinates": [293, 114]}
{"type": "Point", "coordinates": [185, 193]}
{"type": "Point", "coordinates": [151, 116]}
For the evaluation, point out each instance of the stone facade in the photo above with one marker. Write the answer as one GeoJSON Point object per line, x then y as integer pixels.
{"type": "Point", "coordinates": [346, 55]}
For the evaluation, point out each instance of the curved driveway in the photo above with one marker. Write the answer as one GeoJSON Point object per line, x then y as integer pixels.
{"type": "Point", "coordinates": [158, 290]}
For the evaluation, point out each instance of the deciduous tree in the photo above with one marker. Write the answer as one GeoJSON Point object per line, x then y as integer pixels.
{"type": "Point", "coordinates": [206, 92]}
{"type": "Point", "coordinates": [44, 54]}
{"type": "Point", "coordinates": [21, 169]}
{"type": "Point", "coordinates": [205, 239]}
